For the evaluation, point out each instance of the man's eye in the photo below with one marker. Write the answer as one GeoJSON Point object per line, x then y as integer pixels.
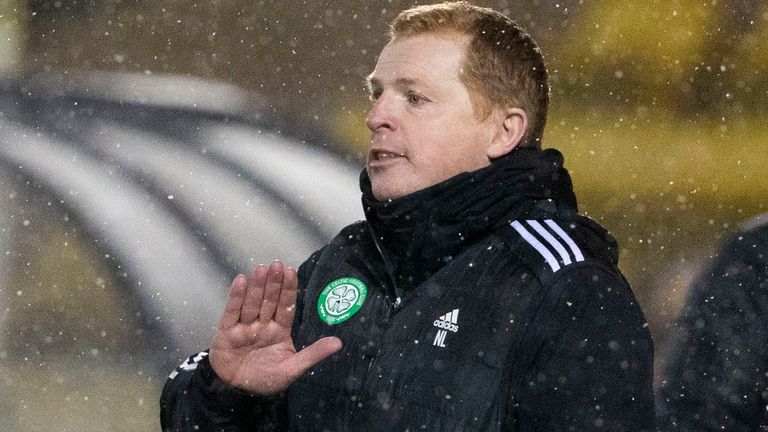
{"type": "Point", "coordinates": [415, 99]}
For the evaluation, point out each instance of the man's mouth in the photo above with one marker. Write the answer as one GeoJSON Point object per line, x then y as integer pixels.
{"type": "Point", "coordinates": [379, 156]}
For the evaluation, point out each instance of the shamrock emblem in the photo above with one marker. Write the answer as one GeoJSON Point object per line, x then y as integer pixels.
{"type": "Point", "coordinates": [340, 299]}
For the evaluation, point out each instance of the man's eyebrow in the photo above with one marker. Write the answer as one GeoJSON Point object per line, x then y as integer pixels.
{"type": "Point", "coordinates": [372, 82]}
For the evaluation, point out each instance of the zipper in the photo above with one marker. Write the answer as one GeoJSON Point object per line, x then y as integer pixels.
{"type": "Point", "coordinates": [387, 266]}
{"type": "Point", "coordinates": [372, 359]}
{"type": "Point", "coordinates": [389, 292]}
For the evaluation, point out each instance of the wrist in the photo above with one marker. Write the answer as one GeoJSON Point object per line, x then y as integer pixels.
{"type": "Point", "coordinates": [215, 388]}
{"type": "Point", "coordinates": [218, 388]}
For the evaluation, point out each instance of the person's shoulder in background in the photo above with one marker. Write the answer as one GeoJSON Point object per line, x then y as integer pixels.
{"type": "Point", "coordinates": [714, 369]}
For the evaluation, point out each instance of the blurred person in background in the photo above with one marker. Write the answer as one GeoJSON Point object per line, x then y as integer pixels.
{"type": "Point", "coordinates": [473, 296]}
{"type": "Point", "coordinates": [716, 369]}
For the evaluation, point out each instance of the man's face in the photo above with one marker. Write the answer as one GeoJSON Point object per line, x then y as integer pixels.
{"type": "Point", "coordinates": [423, 128]}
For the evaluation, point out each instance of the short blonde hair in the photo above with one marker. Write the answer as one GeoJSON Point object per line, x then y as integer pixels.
{"type": "Point", "coordinates": [504, 65]}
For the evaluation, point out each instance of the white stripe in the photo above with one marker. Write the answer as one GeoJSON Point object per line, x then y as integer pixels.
{"type": "Point", "coordinates": [575, 249]}
{"type": "Point", "coordinates": [537, 245]}
{"type": "Point", "coordinates": [455, 317]}
{"type": "Point", "coordinates": [442, 318]}
{"type": "Point", "coordinates": [551, 240]}
{"type": "Point", "coordinates": [448, 316]}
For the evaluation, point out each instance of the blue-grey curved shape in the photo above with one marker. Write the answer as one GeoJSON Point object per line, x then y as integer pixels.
{"type": "Point", "coordinates": [237, 218]}
{"type": "Point", "coordinates": [184, 181]}
{"type": "Point", "coordinates": [316, 184]}
{"type": "Point", "coordinates": [177, 280]}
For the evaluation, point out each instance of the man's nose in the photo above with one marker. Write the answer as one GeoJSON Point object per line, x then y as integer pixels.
{"type": "Point", "coordinates": [381, 114]}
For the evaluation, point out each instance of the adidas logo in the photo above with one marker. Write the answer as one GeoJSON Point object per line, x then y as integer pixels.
{"type": "Point", "coordinates": [445, 323]}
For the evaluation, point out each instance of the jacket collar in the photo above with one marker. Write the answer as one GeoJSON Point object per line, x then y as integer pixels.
{"type": "Point", "coordinates": [420, 232]}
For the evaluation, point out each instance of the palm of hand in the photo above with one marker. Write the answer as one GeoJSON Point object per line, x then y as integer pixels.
{"type": "Point", "coordinates": [252, 348]}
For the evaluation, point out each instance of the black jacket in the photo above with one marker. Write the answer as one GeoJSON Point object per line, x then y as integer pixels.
{"type": "Point", "coordinates": [490, 305]}
{"type": "Point", "coordinates": [716, 373]}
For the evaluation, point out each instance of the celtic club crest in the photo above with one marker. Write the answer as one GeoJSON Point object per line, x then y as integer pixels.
{"type": "Point", "coordinates": [341, 299]}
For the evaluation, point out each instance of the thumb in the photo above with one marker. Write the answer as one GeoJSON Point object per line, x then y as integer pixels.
{"type": "Point", "coordinates": [312, 355]}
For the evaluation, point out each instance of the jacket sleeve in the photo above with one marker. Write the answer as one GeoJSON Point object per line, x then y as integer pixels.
{"type": "Point", "coordinates": [594, 368]}
{"type": "Point", "coordinates": [195, 399]}
{"type": "Point", "coordinates": [714, 369]}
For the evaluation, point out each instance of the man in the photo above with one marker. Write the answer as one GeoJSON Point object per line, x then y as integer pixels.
{"type": "Point", "coordinates": [473, 296]}
{"type": "Point", "coordinates": [716, 372]}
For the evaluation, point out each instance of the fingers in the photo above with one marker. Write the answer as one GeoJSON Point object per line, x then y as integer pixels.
{"type": "Point", "coordinates": [286, 305]}
{"type": "Point", "coordinates": [234, 303]}
{"type": "Point", "coordinates": [251, 307]}
{"type": "Point", "coordinates": [270, 293]}
{"type": "Point", "coordinates": [272, 290]}
{"type": "Point", "coordinates": [312, 355]}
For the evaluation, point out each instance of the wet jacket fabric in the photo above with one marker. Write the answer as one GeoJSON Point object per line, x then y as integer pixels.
{"type": "Point", "coordinates": [716, 370]}
{"type": "Point", "coordinates": [491, 305]}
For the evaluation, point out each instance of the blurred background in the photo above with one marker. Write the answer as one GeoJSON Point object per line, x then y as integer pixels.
{"type": "Point", "coordinates": [150, 150]}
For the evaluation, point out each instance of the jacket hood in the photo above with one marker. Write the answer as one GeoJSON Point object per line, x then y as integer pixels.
{"type": "Point", "coordinates": [420, 232]}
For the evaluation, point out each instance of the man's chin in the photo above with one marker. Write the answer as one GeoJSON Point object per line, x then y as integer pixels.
{"type": "Point", "coordinates": [384, 191]}
{"type": "Point", "coordinates": [386, 195]}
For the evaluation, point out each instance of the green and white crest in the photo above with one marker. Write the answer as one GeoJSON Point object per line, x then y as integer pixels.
{"type": "Point", "coordinates": [341, 299]}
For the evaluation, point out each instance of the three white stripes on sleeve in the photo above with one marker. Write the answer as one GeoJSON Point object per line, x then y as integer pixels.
{"type": "Point", "coordinates": [187, 365]}
{"type": "Point", "coordinates": [554, 243]}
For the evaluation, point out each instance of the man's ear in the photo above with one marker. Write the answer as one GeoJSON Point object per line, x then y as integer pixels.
{"type": "Point", "coordinates": [509, 133]}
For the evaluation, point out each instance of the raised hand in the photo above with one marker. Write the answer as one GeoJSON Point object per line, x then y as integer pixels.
{"type": "Point", "coordinates": [252, 348]}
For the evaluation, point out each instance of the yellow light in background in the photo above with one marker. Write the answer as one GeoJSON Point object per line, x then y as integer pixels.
{"type": "Point", "coordinates": [752, 51]}
{"type": "Point", "coordinates": [348, 127]}
{"type": "Point", "coordinates": [720, 161]}
{"type": "Point", "coordinates": [658, 40]}
{"type": "Point", "coordinates": [12, 13]}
